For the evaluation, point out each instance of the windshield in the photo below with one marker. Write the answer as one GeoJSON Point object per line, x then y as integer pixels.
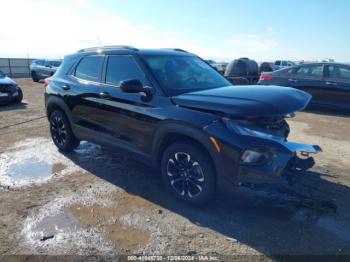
{"type": "Point", "coordinates": [2, 75]}
{"type": "Point", "coordinates": [183, 74]}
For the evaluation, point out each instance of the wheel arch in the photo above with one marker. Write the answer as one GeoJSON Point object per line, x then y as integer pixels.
{"type": "Point", "coordinates": [172, 133]}
{"type": "Point", "coordinates": [54, 103]}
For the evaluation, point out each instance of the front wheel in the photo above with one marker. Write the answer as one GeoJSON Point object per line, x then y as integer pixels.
{"type": "Point", "coordinates": [188, 173]}
{"type": "Point", "coordinates": [61, 132]}
{"type": "Point", "coordinates": [34, 76]}
{"type": "Point", "coordinates": [19, 97]}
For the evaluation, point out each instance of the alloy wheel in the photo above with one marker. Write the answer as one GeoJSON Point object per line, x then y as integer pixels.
{"type": "Point", "coordinates": [59, 132]}
{"type": "Point", "coordinates": [185, 175]}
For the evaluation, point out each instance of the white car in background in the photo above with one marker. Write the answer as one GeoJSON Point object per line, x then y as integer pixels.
{"type": "Point", "coordinates": [279, 64]}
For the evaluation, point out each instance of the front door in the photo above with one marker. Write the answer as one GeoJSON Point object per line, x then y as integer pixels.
{"type": "Point", "coordinates": [125, 117]}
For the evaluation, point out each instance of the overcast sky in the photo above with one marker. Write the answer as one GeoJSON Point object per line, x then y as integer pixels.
{"type": "Point", "coordinates": [221, 30]}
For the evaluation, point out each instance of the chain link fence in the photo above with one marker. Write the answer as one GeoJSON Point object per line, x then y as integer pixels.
{"type": "Point", "coordinates": [16, 67]}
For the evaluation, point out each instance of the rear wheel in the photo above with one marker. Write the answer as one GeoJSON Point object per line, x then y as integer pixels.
{"type": "Point", "coordinates": [61, 132]}
{"type": "Point", "coordinates": [35, 76]}
{"type": "Point", "coordinates": [188, 173]}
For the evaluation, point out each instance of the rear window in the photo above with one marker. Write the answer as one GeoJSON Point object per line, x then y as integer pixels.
{"type": "Point", "coordinates": [55, 63]}
{"type": "Point", "coordinates": [89, 68]}
{"type": "Point", "coordinates": [39, 62]}
{"type": "Point", "coordinates": [339, 72]}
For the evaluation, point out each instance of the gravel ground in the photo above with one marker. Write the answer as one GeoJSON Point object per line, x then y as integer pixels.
{"type": "Point", "coordinates": [96, 202]}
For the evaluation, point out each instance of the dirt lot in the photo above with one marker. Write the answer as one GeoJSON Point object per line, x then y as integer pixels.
{"type": "Point", "coordinates": [95, 202]}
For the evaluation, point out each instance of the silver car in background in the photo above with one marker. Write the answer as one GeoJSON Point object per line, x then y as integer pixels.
{"type": "Point", "coordinates": [43, 68]}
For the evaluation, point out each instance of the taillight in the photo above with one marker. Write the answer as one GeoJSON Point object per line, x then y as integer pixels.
{"type": "Point", "coordinates": [47, 81]}
{"type": "Point", "coordinates": [265, 77]}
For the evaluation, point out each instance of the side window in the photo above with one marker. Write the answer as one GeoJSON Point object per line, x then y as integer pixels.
{"type": "Point", "coordinates": [121, 68]}
{"type": "Point", "coordinates": [339, 72]}
{"type": "Point", "coordinates": [278, 63]}
{"type": "Point", "coordinates": [290, 71]}
{"type": "Point", "coordinates": [89, 68]}
{"type": "Point", "coordinates": [284, 63]}
{"type": "Point", "coordinates": [314, 70]}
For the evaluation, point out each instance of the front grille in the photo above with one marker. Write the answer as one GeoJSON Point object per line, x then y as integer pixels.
{"type": "Point", "coordinates": [5, 88]}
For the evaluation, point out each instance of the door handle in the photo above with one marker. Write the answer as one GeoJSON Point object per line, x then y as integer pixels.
{"type": "Point", "coordinates": [105, 95]}
{"type": "Point", "coordinates": [292, 80]}
{"type": "Point", "coordinates": [65, 87]}
{"type": "Point", "coordinates": [331, 83]}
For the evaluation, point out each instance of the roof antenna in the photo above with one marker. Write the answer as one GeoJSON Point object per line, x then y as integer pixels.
{"type": "Point", "coordinates": [99, 41]}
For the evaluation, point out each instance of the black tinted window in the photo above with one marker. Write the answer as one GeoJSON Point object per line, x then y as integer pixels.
{"type": "Point", "coordinates": [121, 68]}
{"type": "Point", "coordinates": [89, 68]}
{"type": "Point", "coordinates": [278, 63]}
{"type": "Point", "coordinates": [339, 72]}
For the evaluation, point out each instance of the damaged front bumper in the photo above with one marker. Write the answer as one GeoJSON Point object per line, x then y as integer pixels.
{"type": "Point", "coordinates": [248, 155]}
{"type": "Point", "coordinates": [295, 157]}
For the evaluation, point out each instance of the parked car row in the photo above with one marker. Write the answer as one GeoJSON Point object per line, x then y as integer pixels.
{"type": "Point", "coordinates": [328, 83]}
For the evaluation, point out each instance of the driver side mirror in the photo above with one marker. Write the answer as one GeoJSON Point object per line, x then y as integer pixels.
{"type": "Point", "coordinates": [135, 86]}
{"type": "Point", "coordinates": [131, 86]}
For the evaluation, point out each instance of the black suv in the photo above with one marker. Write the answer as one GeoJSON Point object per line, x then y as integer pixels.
{"type": "Point", "coordinates": [170, 109]}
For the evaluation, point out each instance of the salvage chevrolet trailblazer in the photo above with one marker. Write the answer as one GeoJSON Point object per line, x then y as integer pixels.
{"type": "Point", "coordinates": [170, 109]}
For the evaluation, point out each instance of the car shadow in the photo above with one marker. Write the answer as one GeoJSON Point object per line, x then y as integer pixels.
{"type": "Point", "coordinates": [268, 223]}
{"type": "Point", "coordinates": [12, 106]}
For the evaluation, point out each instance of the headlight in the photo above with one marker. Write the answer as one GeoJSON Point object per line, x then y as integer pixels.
{"type": "Point", "coordinates": [250, 156]}
{"type": "Point", "coordinates": [247, 130]}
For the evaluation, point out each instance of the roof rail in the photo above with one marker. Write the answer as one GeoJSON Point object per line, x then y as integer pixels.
{"type": "Point", "coordinates": [177, 49]}
{"type": "Point", "coordinates": [108, 47]}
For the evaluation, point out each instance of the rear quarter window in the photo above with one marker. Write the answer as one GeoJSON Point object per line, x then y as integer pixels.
{"type": "Point", "coordinates": [89, 68]}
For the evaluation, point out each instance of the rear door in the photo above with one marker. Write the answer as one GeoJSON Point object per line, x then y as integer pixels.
{"type": "Point", "coordinates": [309, 78]}
{"type": "Point", "coordinates": [337, 91]}
{"type": "Point", "coordinates": [125, 117]}
{"type": "Point", "coordinates": [83, 96]}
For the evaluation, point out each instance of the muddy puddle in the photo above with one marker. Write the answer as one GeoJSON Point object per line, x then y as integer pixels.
{"type": "Point", "coordinates": [125, 238]}
{"type": "Point", "coordinates": [37, 160]}
{"type": "Point", "coordinates": [52, 225]}
{"type": "Point", "coordinates": [32, 170]}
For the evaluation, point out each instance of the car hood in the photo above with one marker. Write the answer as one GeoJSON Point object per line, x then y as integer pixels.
{"type": "Point", "coordinates": [246, 101]}
{"type": "Point", "coordinates": [6, 80]}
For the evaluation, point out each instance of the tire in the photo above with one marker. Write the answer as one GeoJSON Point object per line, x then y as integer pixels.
{"type": "Point", "coordinates": [61, 132]}
{"type": "Point", "coordinates": [19, 97]}
{"type": "Point", "coordinates": [188, 173]}
{"type": "Point", "coordinates": [35, 76]}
